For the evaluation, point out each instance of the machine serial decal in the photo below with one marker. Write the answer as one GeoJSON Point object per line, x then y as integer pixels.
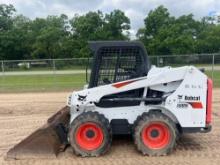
{"type": "Point", "coordinates": [182, 105]}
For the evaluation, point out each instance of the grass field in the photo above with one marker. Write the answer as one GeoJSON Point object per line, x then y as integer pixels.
{"type": "Point", "coordinates": [216, 77]}
{"type": "Point", "coordinates": [31, 83]}
{"type": "Point", "coordinates": [58, 82]}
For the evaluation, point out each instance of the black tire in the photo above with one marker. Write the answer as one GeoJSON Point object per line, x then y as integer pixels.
{"type": "Point", "coordinates": [102, 130]}
{"type": "Point", "coordinates": [144, 138]}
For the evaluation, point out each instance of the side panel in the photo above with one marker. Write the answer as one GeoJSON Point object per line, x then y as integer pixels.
{"type": "Point", "coordinates": [129, 113]}
{"type": "Point", "coordinates": [86, 100]}
{"type": "Point", "coordinates": [188, 102]}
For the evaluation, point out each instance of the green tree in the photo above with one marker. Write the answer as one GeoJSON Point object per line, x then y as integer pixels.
{"type": "Point", "coordinates": [87, 26]}
{"type": "Point", "coordinates": [115, 26]}
{"type": "Point", "coordinates": [49, 34]}
{"type": "Point", "coordinates": [182, 35]}
{"type": "Point", "coordinates": [96, 26]}
{"type": "Point", "coordinates": [13, 34]}
{"type": "Point", "coordinates": [208, 40]}
{"type": "Point", "coordinates": [6, 13]}
{"type": "Point", "coordinates": [61, 37]}
{"type": "Point", "coordinates": [164, 34]}
{"type": "Point", "coordinates": [155, 31]}
{"type": "Point", "coordinates": [157, 19]}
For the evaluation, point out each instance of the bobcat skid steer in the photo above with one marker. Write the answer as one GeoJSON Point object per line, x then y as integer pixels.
{"type": "Point", "coordinates": [125, 95]}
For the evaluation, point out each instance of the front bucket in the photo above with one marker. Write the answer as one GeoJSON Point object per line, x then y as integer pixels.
{"type": "Point", "coordinates": [45, 142]}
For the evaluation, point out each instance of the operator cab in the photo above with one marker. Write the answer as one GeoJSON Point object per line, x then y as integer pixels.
{"type": "Point", "coordinates": [116, 61]}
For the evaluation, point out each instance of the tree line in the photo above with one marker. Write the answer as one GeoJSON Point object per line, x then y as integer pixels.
{"type": "Point", "coordinates": [64, 37]}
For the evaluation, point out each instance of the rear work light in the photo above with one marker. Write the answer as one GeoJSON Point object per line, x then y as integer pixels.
{"type": "Point", "coordinates": [209, 102]}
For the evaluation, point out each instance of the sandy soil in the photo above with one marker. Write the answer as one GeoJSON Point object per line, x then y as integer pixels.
{"type": "Point", "coordinates": [21, 114]}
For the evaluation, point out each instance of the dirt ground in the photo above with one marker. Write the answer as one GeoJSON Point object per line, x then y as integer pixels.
{"type": "Point", "coordinates": [21, 114]}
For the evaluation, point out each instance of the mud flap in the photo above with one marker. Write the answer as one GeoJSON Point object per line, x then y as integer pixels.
{"type": "Point", "coordinates": [45, 142]}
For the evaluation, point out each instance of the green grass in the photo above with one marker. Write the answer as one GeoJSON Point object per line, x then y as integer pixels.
{"type": "Point", "coordinates": [69, 82]}
{"type": "Point", "coordinates": [216, 79]}
{"type": "Point", "coordinates": [31, 83]}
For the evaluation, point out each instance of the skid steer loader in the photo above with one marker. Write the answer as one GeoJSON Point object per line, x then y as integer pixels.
{"type": "Point", "coordinates": [125, 95]}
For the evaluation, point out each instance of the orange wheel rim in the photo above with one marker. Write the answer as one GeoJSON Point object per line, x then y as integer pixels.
{"type": "Point", "coordinates": [156, 135]}
{"type": "Point", "coordinates": [89, 136]}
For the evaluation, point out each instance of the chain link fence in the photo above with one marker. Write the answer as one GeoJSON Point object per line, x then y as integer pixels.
{"type": "Point", "coordinates": [70, 74]}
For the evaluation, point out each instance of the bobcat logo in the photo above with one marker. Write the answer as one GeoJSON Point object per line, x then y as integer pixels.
{"type": "Point", "coordinates": [180, 97]}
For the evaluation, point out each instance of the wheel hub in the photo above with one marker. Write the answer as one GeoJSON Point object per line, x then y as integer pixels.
{"type": "Point", "coordinates": [90, 133]}
{"type": "Point", "coordinates": [154, 133]}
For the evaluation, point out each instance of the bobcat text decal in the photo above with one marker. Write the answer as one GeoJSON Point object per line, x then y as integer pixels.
{"type": "Point", "coordinates": [194, 101]}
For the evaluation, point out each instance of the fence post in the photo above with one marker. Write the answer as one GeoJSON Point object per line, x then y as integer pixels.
{"type": "Point", "coordinates": [3, 77]}
{"type": "Point", "coordinates": [213, 63]}
{"type": "Point", "coordinates": [54, 72]}
{"type": "Point", "coordinates": [3, 69]}
{"type": "Point", "coordinates": [158, 61]}
{"type": "Point", "coordinates": [54, 66]}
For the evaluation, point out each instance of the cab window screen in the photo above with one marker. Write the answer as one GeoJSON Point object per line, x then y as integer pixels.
{"type": "Point", "coordinates": [118, 64]}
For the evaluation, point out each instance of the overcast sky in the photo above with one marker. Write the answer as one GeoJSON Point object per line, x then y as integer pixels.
{"type": "Point", "coordinates": [136, 10]}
